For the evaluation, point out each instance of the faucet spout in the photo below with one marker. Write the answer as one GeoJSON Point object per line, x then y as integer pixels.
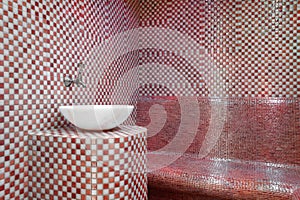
{"type": "Point", "coordinates": [78, 80]}
{"type": "Point", "coordinates": [67, 81]}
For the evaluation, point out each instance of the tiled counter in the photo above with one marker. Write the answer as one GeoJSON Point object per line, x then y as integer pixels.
{"type": "Point", "coordinates": [70, 164]}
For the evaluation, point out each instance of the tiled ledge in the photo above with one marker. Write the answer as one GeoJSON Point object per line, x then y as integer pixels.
{"type": "Point", "coordinates": [68, 163]}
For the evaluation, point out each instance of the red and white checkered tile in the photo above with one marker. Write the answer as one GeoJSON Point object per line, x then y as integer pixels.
{"type": "Point", "coordinates": [70, 164]}
{"type": "Point", "coordinates": [251, 44]}
{"type": "Point", "coordinates": [40, 43]}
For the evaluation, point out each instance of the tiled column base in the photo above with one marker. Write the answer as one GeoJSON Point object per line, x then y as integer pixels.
{"type": "Point", "coordinates": [70, 164]}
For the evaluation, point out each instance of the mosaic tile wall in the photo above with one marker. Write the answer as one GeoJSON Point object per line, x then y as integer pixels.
{"type": "Point", "coordinates": [40, 43]}
{"type": "Point", "coordinates": [240, 57]}
{"type": "Point", "coordinates": [248, 47]}
{"type": "Point", "coordinates": [69, 164]}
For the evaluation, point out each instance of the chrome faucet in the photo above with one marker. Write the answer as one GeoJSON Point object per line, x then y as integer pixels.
{"type": "Point", "coordinates": [78, 80]}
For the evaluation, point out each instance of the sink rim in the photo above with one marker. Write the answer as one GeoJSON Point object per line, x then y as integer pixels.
{"type": "Point", "coordinates": [72, 114]}
{"type": "Point", "coordinates": [103, 106]}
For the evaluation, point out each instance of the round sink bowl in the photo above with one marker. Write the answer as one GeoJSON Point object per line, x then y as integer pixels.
{"type": "Point", "coordinates": [96, 117]}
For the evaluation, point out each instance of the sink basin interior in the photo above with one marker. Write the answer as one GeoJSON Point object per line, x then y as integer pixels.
{"type": "Point", "coordinates": [96, 117]}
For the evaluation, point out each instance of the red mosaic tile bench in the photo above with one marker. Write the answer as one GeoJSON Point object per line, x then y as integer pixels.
{"type": "Point", "coordinates": [256, 132]}
{"type": "Point", "coordinates": [193, 178]}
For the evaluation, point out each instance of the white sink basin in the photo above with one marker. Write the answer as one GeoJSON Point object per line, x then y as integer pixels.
{"type": "Point", "coordinates": [96, 117]}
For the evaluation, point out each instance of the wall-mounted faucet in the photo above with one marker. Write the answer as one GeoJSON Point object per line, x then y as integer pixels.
{"type": "Point", "coordinates": [78, 80]}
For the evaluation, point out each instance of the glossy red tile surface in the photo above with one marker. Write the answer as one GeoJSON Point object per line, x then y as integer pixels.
{"type": "Point", "coordinates": [194, 178]}
{"type": "Point", "coordinates": [257, 148]}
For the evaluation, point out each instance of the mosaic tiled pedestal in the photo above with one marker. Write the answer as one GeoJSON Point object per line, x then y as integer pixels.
{"type": "Point", "coordinates": [70, 164]}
